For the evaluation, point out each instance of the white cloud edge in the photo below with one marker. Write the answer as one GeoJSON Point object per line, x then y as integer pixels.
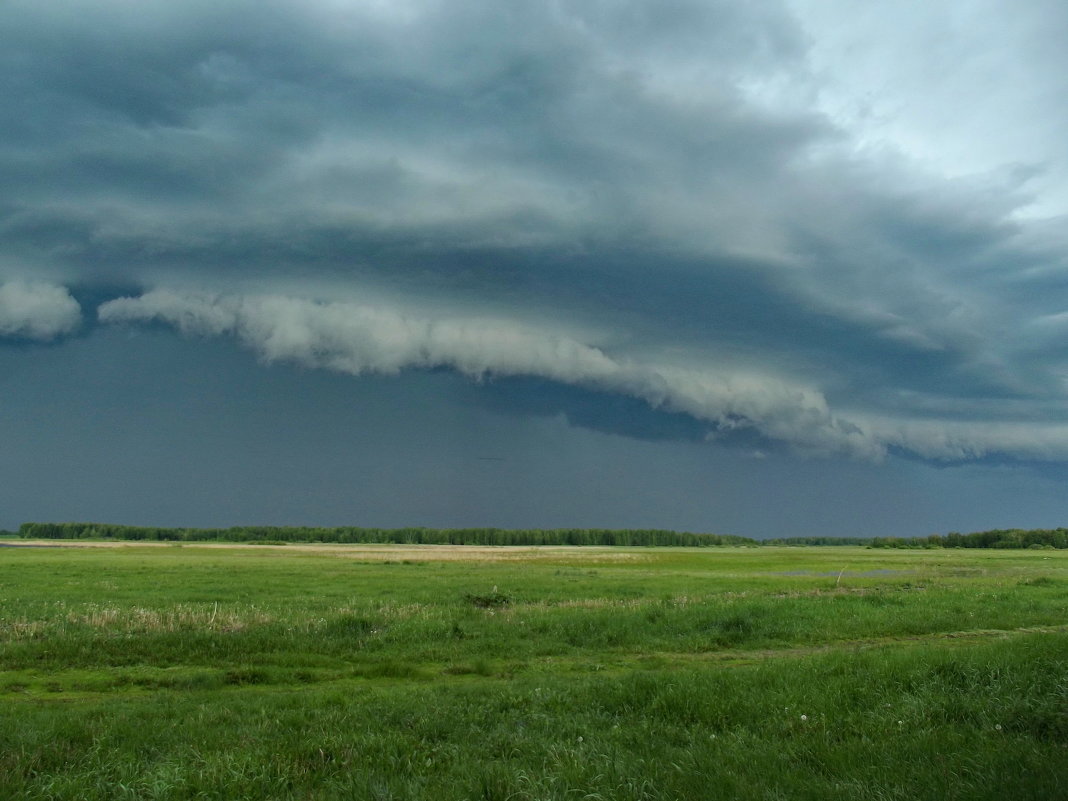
{"type": "Point", "coordinates": [37, 310]}
{"type": "Point", "coordinates": [355, 338]}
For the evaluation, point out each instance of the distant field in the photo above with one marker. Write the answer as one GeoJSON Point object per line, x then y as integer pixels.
{"type": "Point", "coordinates": [166, 671]}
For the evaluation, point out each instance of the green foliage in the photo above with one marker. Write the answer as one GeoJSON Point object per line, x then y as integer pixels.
{"type": "Point", "coordinates": [280, 535]}
{"type": "Point", "coordinates": [155, 672]}
{"type": "Point", "coordinates": [806, 541]}
{"type": "Point", "coordinates": [404, 536]}
{"type": "Point", "coordinates": [995, 538]}
{"type": "Point", "coordinates": [491, 601]}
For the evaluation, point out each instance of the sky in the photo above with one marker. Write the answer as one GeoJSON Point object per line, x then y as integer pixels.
{"type": "Point", "coordinates": [761, 268]}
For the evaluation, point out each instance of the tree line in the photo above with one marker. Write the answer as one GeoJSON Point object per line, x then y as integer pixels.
{"type": "Point", "coordinates": [995, 538]}
{"type": "Point", "coordinates": [407, 536]}
{"type": "Point", "coordinates": [818, 541]}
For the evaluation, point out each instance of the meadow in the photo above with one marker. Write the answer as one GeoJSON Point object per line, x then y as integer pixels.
{"type": "Point", "coordinates": [174, 671]}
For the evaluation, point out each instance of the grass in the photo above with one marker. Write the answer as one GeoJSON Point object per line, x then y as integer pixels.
{"type": "Point", "coordinates": [175, 672]}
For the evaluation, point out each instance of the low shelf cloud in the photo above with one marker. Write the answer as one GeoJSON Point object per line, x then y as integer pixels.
{"type": "Point", "coordinates": [357, 339]}
{"type": "Point", "coordinates": [753, 230]}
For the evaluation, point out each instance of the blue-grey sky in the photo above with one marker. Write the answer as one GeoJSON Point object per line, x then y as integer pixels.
{"type": "Point", "coordinates": [781, 268]}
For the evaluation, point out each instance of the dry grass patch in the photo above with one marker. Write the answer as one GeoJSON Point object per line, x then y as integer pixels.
{"type": "Point", "coordinates": [374, 552]}
{"type": "Point", "coordinates": [138, 620]}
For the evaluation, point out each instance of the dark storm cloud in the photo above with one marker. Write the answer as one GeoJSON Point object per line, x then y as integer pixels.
{"type": "Point", "coordinates": [644, 203]}
{"type": "Point", "coordinates": [431, 124]}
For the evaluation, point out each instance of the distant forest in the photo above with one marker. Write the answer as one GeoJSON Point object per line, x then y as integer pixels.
{"type": "Point", "coordinates": [998, 538]}
{"type": "Point", "coordinates": [995, 538]}
{"type": "Point", "coordinates": [409, 536]}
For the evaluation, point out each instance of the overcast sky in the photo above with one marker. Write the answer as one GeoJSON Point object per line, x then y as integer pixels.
{"type": "Point", "coordinates": [762, 268]}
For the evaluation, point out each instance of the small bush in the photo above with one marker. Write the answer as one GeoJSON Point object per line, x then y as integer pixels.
{"type": "Point", "coordinates": [247, 675]}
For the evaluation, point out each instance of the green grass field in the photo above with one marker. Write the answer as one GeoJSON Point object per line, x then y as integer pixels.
{"type": "Point", "coordinates": [392, 672]}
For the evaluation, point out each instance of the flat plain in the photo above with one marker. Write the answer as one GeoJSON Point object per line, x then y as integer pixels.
{"type": "Point", "coordinates": [175, 671]}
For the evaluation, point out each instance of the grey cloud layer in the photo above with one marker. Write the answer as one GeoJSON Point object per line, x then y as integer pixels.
{"type": "Point", "coordinates": [664, 173]}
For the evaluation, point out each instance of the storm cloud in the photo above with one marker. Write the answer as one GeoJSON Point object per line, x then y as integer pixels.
{"type": "Point", "coordinates": [799, 225]}
{"type": "Point", "coordinates": [359, 339]}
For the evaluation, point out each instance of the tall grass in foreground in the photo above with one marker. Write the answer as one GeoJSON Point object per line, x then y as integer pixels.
{"type": "Point", "coordinates": [190, 672]}
{"type": "Point", "coordinates": [990, 721]}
